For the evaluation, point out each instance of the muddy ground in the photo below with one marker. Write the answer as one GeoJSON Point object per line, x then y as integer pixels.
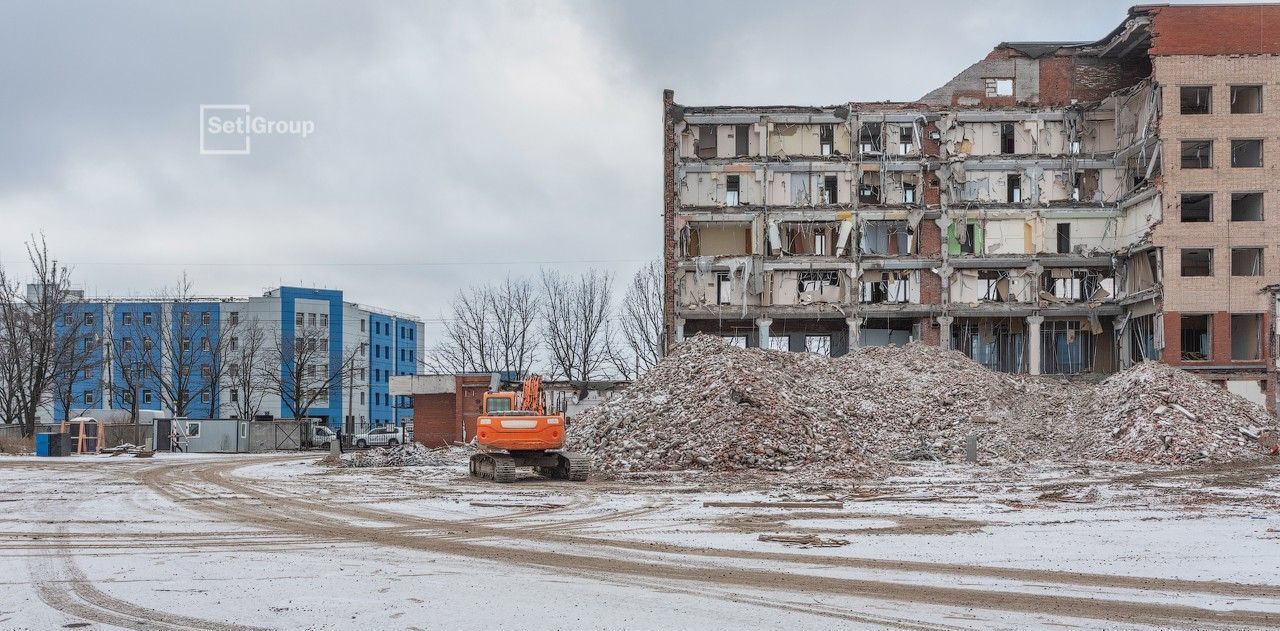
{"type": "Point", "coordinates": [236, 542]}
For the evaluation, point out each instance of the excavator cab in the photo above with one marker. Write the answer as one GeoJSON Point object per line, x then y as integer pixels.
{"type": "Point", "coordinates": [515, 433]}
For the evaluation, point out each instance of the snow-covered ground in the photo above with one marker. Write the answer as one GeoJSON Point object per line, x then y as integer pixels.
{"type": "Point", "coordinates": [281, 542]}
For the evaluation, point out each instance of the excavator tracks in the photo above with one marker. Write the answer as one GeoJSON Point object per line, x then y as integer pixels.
{"type": "Point", "coordinates": [494, 466]}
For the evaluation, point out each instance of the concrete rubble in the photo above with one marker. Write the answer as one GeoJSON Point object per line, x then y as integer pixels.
{"type": "Point", "coordinates": [410, 455]}
{"type": "Point", "coordinates": [713, 406]}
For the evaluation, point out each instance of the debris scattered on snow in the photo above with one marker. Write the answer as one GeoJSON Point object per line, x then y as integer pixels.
{"type": "Point", "coordinates": [806, 541]}
{"type": "Point", "coordinates": [408, 455]}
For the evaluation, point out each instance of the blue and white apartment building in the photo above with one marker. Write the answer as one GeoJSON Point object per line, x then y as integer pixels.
{"type": "Point", "coordinates": [388, 344]}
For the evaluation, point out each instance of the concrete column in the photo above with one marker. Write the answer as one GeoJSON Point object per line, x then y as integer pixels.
{"type": "Point", "coordinates": [1033, 344]}
{"type": "Point", "coordinates": [679, 326]}
{"type": "Point", "coordinates": [944, 331]}
{"type": "Point", "coordinates": [855, 332]}
{"type": "Point", "coordinates": [762, 325]}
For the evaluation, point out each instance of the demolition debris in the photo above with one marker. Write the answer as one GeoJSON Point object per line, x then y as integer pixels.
{"type": "Point", "coordinates": [714, 406]}
{"type": "Point", "coordinates": [408, 455]}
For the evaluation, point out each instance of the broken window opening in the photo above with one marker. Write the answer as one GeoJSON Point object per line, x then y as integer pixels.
{"type": "Point", "coordinates": [724, 288]}
{"type": "Point", "coordinates": [820, 244]}
{"type": "Point", "coordinates": [1064, 238]}
{"type": "Point", "coordinates": [818, 344]}
{"type": "Point", "coordinates": [742, 140]}
{"type": "Point", "coordinates": [887, 238]}
{"type": "Point", "coordinates": [1142, 339]}
{"type": "Point", "coordinates": [1075, 147]}
{"type": "Point", "coordinates": [869, 194]}
{"type": "Point", "coordinates": [1073, 285]}
{"type": "Point", "coordinates": [1246, 153]}
{"type": "Point", "coordinates": [908, 193]}
{"type": "Point", "coordinates": [732, 194]}
{"type": "Point", "coordinates": [779, 342]}
{"type": "Point", "coordinates": [1196, 207]}
{"type": "Point", "coordinates": [1246, 207]}
{"type": "Point", "coordinates": [885, 287]}
{"type": "Point", "coordinates": [1196, 337]}
{"type": "Point", "coordinates": [999, 86]}
{"type": "Point", "coordinates": [1246, 336]}
{"type": "Point", "coordinates": [1246, 261]}
{"type": "Point", "coordinates": [815, 281]}
{"type": "Point", "coordinates": [1006, 138]}
{"type": "Point", "coordinates": [970, 238]}
{"type": "Point", "coordinates": [996, 344]}
{"type": "Point", "coordinates": [738, 341]}
{"type": "Point", "coordinates": [1197, 154]}
{"type": "Point", "coordinates": [1014, 189]}
{"type": "Point", "coordinates": [1075, 188]}
{"type": "Point", "coordinates": [1197, 262]}
{"type": "Point", "coordinates": [906, 140]}
{"type": "Point", "coordinates": [826, 140]}
{"type": "Point", "coordinates": [706, 147]}
{"type": "Point", "coordinates": [1246, 99]}
{"type": "Point", "coordinates": [993, 285]}
{"type": "Point", "coordinates": [830, 190]}
{"type": "Point", "coordinates": [1196, 99]}
{"type": "Point", "coordinates": [1066, 347]}
{"type": "Point", "coordinates": [869, 138]}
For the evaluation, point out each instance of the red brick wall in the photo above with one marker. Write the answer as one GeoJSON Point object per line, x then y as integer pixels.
{"type": "Point", "coordinates": [930, 238]}
{"type": "Point", "coordinates": [435, 422]}
{"type": "Point", "coordinates": [1220, 341]}
{"type": "Point", "coordinates": [929, 329]}
{"type": "Point", "coordinates": [469, 392]}
{"type": "Point", "coordinates": [1216, 30]}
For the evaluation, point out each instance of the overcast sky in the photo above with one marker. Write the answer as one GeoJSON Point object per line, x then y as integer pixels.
{"type": "Point", "coordinates": [454, 143]}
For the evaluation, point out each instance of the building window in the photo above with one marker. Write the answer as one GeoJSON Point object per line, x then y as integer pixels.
{"type": "Point", "coordinates": [311, 319]}
{"type": "Point", "coordinates": [206, 318]}
{"type": "Point", "coordinates": [1246, 207]}
{"type": "Point", "coordinates": [233, 343]}
{"type": "Point", "coordinates": [869, 138]}
{"type": "Point", "coordinates": [88, 397]}
{"type": "Point", "coordinates": [742, 140]}
{"type": "Point", "coordinates": [297, 318]}
{"type": "Point", "coordinates": [906, 140]}
{"type": "Point", "coordinates": [205, 371]}
{"type": "Point", "coordinates": [1246, 261]}
{"type": "Point", "coordinates": [186, 344]}
{"type": "Point", "coordinates": [234, 318]}
{"type": "Point", "coordinates": [185, 319]}
{"type": "Point", "coordinates": [88, 318]}
{"type": "Point", "coordinates": [999, 86]}
{"type": "Point", "coordinates": [147, 318]}
{"type": "Point", "coordinates": [1197, 262]}
{"type": "Point", "coordinates": [818, 344]}
{"type": "Point", "coordinates": [146, 396]}
{"type": "Point", "coordinates": [361, 397]}
{"type": "Point", "coordinates": [908, 193]}
{"type": "Point", "coordinates": [185, 371]}
{"type": "Point", "coordinates": [146, 344]}
{"type": "Point", "coordinates": [1014, 186]}
{"type": "Point", "coordinates": [1064, 238]}
{"type": "Point", "coordinates": [193, 429]}
{"type": "Point", "coordinates": [362, 325]}
{"type": "Point", "coordinates": [1196, 207]}
{"type": "Point", "coordinates": [736, 341]}
{"type": "Point", "coordinates": [126, 318]}
{"type": "Point", "coordinates": [732, 194]}
{"type": "Point", "coordinates": [1196, 99]}
{"type": "Point", "coordinates": [706, 147]}
{"type": "Point", "coordinates": [68, 319]}
{"type": "Point", "coordinates": [204, 344]}
{"type": "Point", "coordinates": [1007, 145]}
{"type": "Point", "coordinates": [1197, 154]}
{"type": "Point", "coordinates": [1246, 153]}
{"type": "Point", "coordinates": [126, 397]}
{"type": "Point", "coordinates": [1196, 337]}
{"type": "Point", "coordinates": [324, 319]}
{"type": "Point", "coordinates": [830, 190]}
{"type": "Point", "coordinates": [205, 397]}
{"type": "Point", "coordinates": [233, 370]}
{"type": "Point", "coordinates": [826, 140]}
{"type": "Point", "coordinates": [724, 288]}
{"type": "Point", "coordinates": [1246, 99]}
{"type": "Point", "coordinates": [126, 344]}
{"type": "Point", "coordinates": [235, 395]}
{"type": "Point", "coordinates": [1246, 336]}
{"type": "Point", "coordinates": [87, 344]}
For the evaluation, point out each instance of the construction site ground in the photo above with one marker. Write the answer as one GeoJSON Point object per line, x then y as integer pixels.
{"type": "Point", "coordinates": [280, 541]}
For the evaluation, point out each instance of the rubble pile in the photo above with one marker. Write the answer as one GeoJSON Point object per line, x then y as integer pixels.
{"type": "Point", "coordinates": [407, 455]}
{"type": "Point", "coordinates": [713, 406]}
{"type": "Point", "coordinates": [1155, 413]}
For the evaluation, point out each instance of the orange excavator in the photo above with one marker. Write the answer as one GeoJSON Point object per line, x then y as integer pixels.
{"type": "Point", "coordinates": [513, 433]}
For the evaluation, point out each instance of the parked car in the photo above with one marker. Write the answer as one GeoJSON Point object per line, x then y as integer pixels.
{"type": "Point", "coordinates": [379, 436]}
{"type": "Point", "coordinates": [322, 436]}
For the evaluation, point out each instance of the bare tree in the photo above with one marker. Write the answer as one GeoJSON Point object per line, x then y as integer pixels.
{"type": "Point", "coordinates": [300, 372]}
{"type": "Point", "coordinates": [576, 315]}
{"type": "Point", "coordinates": [490, 328]}
{"type": "Point", "coordinates": [80, 362]}
{"type": "Point", "coordinates": [33, 348]}
{"type": "Point", "coordinates": [244, 375]}
{"type": "Point", "coordinates": [640, 324]}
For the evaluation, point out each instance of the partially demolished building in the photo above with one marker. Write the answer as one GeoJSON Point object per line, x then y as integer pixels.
{"type": "Point", "coordinates": [1057, 207]}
